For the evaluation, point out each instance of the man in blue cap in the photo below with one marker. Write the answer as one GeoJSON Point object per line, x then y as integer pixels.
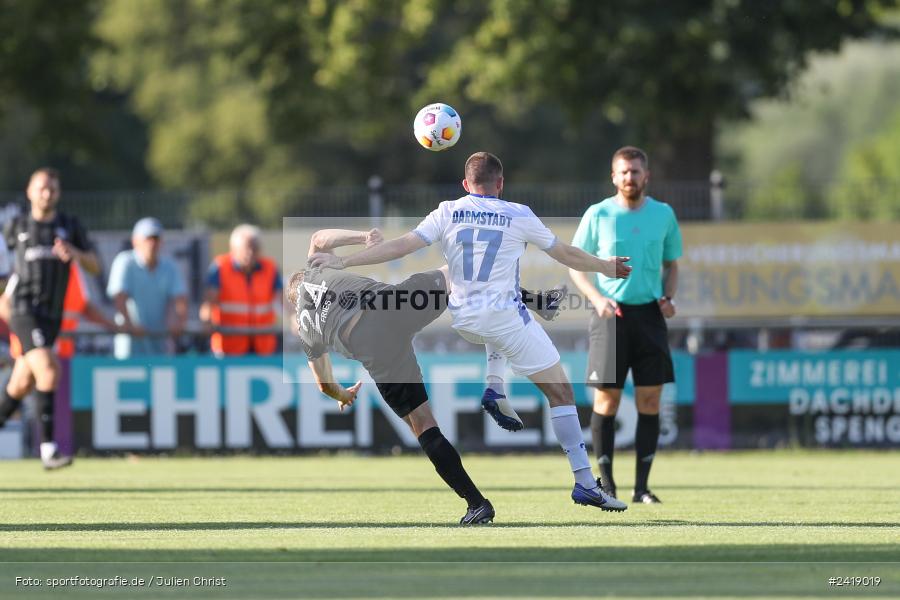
{"type": "Point", "coordinates": [145, 286]}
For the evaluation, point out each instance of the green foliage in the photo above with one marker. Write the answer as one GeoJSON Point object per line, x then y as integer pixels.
{"type": "Point", "coordinates": [49, 112]}
{"type": "Point", "coordinates": [868, 184]}
{"type": "Point", "coordinates": [232, 89]}
{"type": "Point", "coordinates": [782, 196]}
{"type": "Point", "coordinates": [42, 46]}
{"type": "Point", "coordinates": [838, 100]}
{"type": "Point", "coordinates": [671, 71]}
{"type": "Point", "coordinates": [266, 96]}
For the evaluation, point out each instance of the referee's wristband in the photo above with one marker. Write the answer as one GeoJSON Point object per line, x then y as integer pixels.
{"type": "Point", "coordinates": [668, 299]}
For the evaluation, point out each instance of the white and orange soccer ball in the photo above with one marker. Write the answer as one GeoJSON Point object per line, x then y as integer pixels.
{"type": "Point", "coordinates": [437, 127]}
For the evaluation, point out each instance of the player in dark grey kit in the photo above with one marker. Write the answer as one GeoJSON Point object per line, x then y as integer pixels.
{"type": "Point", "coordinates": [45, 241]}
{"type": "Point", "coordinates": [374, 323]}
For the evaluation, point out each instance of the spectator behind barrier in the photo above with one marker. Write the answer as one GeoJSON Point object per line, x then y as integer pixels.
{"type": "Point", "coordinates": [243, 290]}
{"type": "Point", "coordinates": [145, 287]}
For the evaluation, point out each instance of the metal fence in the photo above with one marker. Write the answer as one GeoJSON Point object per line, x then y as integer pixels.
{"type": "Point", "coordinates": [224, 208]}
{"type": "Point", "coordinates": [692, 201]}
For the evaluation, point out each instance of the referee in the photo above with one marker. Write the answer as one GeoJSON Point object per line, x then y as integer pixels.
{"type": "Point", "coordinates": [628, 328]}
{"type": "Point", "coordinates": [45, 241]}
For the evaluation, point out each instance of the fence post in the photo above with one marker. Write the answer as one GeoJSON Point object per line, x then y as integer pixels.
{"type": "Point", "coordinates": [376, 200]}
{"type": "Point", "coordinates": [716, 195]}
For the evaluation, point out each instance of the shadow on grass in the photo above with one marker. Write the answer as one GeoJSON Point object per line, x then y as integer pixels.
{"type": "Point", "coordinates": [735, 552]}
{"type": "Point", "coordinates": [712, 489]}
{"type": "Point", "coordinates": [250, 525]}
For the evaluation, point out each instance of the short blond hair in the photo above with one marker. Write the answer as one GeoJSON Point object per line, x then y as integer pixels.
{"type": "Point", "coordinates": [292, 289]}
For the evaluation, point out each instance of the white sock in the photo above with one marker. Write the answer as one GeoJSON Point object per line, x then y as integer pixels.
{"type": "Point", "coordinates": [48, 449]}
{"type": "Point", "coordinates": [568, 433]}
{"type": "Point", "coordinates": [496, 369]}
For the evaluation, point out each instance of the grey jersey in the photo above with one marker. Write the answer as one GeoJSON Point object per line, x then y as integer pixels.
{"type": "Point", "coordinates": [327, 299]}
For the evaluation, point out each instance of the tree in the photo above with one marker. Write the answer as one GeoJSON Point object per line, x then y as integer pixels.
{"type": "Point", "coordinates": [49, 111]}
{"type": "Point", "coordinates": [839, 101]}
{"type": "Point", "coordinates": [253, 93]}
{"type": "Point", "coordinates": [868, 183]}
{"type": "Point", "coordinates": [672, 71]}
{"type": "Point", "coordinates": [267, 96]}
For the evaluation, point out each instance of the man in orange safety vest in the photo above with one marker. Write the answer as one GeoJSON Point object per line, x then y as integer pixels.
{"type": "Point", "coordinates": [243, 291]}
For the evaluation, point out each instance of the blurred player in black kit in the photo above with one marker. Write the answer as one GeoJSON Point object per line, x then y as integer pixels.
{"type": "Point", "coordinates": [45, 241]}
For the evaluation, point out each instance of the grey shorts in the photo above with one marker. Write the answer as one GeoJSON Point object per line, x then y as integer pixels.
{"type": "Point", "coordinates": [382, 340]}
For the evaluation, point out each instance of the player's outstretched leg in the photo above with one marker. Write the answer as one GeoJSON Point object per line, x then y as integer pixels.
{"type": "Point", "coordinates": [8, 405]}
{"type": "Point", "coordinates": [448, 464]}
{"type": "Point", "coordinates": [19, 385]}
{"type": "Point", "coordinates": [564, 418]}
{"type": "Point", "coordinates": [494, 401]}
{"type": "Point", "coordinates": [46, 374]}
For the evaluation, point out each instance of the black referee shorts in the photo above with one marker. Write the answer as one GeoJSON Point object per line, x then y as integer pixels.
{"type": "Point", "coordinates": [382, 339]}
{"type": "Point", "coordinates": [637, 340]}
{"type": "Point", "coordinates": [34, 331]}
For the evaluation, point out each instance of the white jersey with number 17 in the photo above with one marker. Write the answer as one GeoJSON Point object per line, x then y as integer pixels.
{"type": "Point", "coordinates": [482, 239]}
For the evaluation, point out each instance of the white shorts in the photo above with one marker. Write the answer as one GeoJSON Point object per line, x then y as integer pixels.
{"type": "Point", "coordinates": [528, 349]}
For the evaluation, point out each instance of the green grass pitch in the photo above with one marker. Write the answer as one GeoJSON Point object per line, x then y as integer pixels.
{"type": "Point", "coordinates": [753, 524]}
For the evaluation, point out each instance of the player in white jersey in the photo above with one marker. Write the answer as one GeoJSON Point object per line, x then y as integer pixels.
{"type": "Point", "coordinates": [482, 238]}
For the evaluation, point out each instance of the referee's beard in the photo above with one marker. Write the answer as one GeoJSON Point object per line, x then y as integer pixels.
{"type": "Point", "coordinates": [632, 194]}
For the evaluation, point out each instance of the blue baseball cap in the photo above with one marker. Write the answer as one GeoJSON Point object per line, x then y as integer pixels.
{"type": "Point", "coordinates": [147, 227]}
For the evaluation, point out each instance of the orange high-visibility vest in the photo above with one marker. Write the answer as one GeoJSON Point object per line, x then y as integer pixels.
{"type": "Point", "coordinates": [245, 303]}
{"type": "Point", "coordinates": [74, 303]}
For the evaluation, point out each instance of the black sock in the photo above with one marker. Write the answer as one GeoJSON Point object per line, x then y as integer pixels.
{"type": "Point", "coordinates": [8, 405]}
{"type": "Point", "coordinates": [645, 440]}
{"type": "Point", "coordinates": [45, 409]}
{"type": "Point", "coordinates": [449, 465]}
{"type": "Point", "coordinates": [603, 432]}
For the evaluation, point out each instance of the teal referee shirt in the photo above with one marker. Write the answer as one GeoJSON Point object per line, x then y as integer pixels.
{"type": "Point", "coordinates": [649, 235]}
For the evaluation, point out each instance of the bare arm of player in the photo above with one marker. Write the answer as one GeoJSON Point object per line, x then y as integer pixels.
{"type": "Point", "coordinates": [325, 240]}
{"type": "Point", "coordinates": [95, 314]}
{"type": "Point", "coordinates": [380, 253]}
{"type": "Point", "coordinates": [670, 286]}
{"type": "Point", "coordinates": [321, 368]}
{"type": "Point", "coordinates": [604, 306]}
{"type": "Point", "coordinates": [578, 259]}
{"type": "Point", "coordinates": [66, 252]}
{"type": "Point", "coordinates": [89, 262]}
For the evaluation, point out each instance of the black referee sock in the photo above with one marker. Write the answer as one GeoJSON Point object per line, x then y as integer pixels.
{"type": "Point", "coordinates": [45, 408]}
{"type": "Point", "coordinates": [603, 433]}
{"type": "Point", "coordinates": [645, 441]}
{"type": "Point", "coordinates": [449, 465]}
{"type": "Point", "coordinates": [8, 405]}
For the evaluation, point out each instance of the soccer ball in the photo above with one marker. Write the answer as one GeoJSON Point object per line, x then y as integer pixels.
{"type": "Point", "coordinates": [437, 127]}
